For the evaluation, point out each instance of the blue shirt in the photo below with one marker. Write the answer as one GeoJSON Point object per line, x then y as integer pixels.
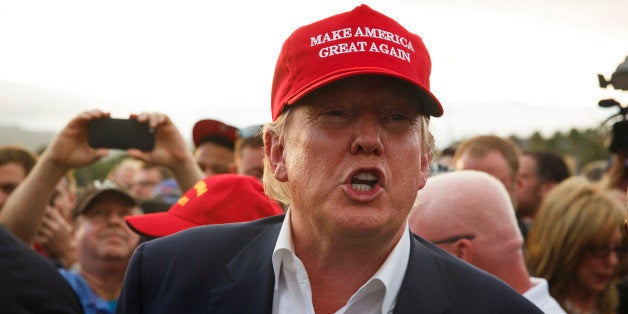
{"type": "Point", "coordinates": [90, 301]}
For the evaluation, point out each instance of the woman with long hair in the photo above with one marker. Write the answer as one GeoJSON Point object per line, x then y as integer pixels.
{"type": "Point", "coordinates": [577, 243]}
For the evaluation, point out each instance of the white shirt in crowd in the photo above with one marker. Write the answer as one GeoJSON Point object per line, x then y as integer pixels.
{"type": "Point", "coordinates": [540, 296]}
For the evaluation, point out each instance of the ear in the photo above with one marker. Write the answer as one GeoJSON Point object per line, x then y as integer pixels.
{"type": "Point", "coordinates": [425, 169]}
{"type": "Point", "coordinates": [463, 249]}
{"type": "Point", "coordinates": [274, 152]}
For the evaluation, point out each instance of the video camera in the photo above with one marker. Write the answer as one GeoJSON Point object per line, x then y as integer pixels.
{"type": "Point", "coordinates": [619, 137]}
{"type": "Point", "coordinates": [619, 134]}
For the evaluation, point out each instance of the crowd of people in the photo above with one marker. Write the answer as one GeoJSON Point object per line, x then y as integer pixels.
{"type": "Point", "coordinates": [339, 204]}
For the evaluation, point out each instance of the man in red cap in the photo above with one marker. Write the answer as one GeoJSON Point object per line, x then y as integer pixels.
{"type": "Point", "coordinates": [348, 149]}
{"type": "Point", "coordinates": [214, 143]}
{"type": "Point", "coordinates": [219, 199]}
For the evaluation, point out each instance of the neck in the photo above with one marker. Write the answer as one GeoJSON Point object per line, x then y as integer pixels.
{"type": "Point", "coordinates": [106, 282]}
{"type": "Point", "coordinates": [518, 279]}
{"type": "Point", "coordinates": [577, 307]}
{"type": "Point", "coordinates": [581, 302]}
{"type": "Point", "coordinates": [514, 273]}
{"type": "Point", "coordinates": [338, 267]}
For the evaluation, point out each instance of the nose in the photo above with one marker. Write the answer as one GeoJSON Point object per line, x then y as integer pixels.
{"type": "Point", "coordinates": [368, 139]}
{"type": "Point", "coordinates": [613, 258]}
{"type": "Point", "coordinates": [115, 219]}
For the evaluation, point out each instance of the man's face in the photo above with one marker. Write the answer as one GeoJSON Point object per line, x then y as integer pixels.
{"type": "Point", "coordinates": [492, 163]}
{"type": "Point", "coordinates": [213, 159]}
{"type": "Point", "coordinates": [102, 233]}
{"type": "Point", "coordinates": [251, 161]}
{"type": "Point", "coordinates": [529, 188]}
{"type": "Point", "coordinates": [143, 183]}
{"type": "Point", "coordinates": [11, 175]}
{"type": "Point", "coordinates": [352, 158]}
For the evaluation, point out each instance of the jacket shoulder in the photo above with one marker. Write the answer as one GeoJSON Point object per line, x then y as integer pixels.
{"type": "Point", "coordinates": [214, 236]}
{"type": "Point", "coordinates": [437, 281]}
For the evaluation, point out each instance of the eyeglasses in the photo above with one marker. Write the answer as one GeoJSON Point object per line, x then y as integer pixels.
{"type": "Point", "coordinates": [603, 252]}
{"type": "Point", "coordinates": [454, 239]}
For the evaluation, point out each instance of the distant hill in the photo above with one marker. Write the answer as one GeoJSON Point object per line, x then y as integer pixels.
{"type": "Point", "coordinates": [35, 141]}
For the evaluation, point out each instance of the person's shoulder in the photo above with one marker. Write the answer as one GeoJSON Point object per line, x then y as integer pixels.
{"type": "Point", "coordinates": [76, 281]}
{"type": "Point", "coordinates": [29, 283]}
{"type": "Point", "coordinates": [448, 261]}
{"type": "Point", "coordinates": [465, 284]}
{"type": "Point", "coordinates": [215, 236]}
{"type": "Point", "coordinates": [539, 294]}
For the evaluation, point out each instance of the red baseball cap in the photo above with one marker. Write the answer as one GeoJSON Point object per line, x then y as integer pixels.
{"type": "Point", "coordinates": [217, 199]}
{"type": "Point", "coordinates": [362, 41]}
{"type": "Point", "coordinates": [207, 127]}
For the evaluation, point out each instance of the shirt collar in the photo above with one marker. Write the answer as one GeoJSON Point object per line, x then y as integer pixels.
{"type": "Point", "coordinates": [391, 273]}
{"type": "Point", "coordinates": [283, 246]}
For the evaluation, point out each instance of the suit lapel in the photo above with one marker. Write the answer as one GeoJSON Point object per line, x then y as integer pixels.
{"type": "Point", "coordinates": [252, 287]}
{"type": "Point", "coordinates": [422, 290]}
{"type": "Point", "coordinates": [253, 279]}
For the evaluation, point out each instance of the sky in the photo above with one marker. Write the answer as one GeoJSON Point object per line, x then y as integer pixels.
{"type": "Point", "coordinates": [499, 67]}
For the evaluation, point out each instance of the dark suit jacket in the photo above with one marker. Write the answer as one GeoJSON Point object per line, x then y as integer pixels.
{"type": "Point", "coordinates": [29, 283]}
{"type": "Point", "coordinates": [228, 269]}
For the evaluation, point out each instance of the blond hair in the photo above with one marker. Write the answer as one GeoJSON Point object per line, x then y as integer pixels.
{"type": "Point", "coordinates": [573, 217]}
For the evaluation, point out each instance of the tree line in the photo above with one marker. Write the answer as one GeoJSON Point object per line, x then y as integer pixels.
{"type": "Point", "coordinates": [579, 147]}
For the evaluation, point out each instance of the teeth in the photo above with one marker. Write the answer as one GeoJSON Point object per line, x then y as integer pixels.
{"type": "Point", "coordinates": [361, 187]}
{"type": "Point", "coordinates": [363, 181]}
{"type": "Point", "coordinates": [366, 176]}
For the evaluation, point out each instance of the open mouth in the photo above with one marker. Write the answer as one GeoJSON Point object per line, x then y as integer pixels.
{"type": "Point", "coordinates": [363, 181]}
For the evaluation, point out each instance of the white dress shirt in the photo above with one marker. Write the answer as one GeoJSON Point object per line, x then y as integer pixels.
{"type": "Point", "coordinates": [293, 293]}
{"type": "Point", "coordinates": [540, 296]}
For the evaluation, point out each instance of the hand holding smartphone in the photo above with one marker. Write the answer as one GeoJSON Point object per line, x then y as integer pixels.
{"type": "Point", "coordinates": [120, 134]}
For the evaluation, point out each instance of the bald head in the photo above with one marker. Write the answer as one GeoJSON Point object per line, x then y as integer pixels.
{"type": "Point", "coordinates": [473, 211]}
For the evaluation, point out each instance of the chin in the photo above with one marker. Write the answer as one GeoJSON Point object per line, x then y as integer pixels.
{"type": "Point", "coordinates": [364, 225]}
{"type": "Point", "coordinates": [116, 255]}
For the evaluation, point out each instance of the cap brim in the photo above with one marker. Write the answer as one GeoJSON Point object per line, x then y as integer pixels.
{"type": "Point", "coordinates": [428, 102]}
{"type": "Point", "coordinates": [85, 202]}
{"type": "Point", "coordinates": [207, 127]}
{"type": "Point", "coordinates": [158, 224]}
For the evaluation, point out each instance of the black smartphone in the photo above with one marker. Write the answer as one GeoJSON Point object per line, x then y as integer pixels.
{"type": "Point", "coordinates": [120, 134]}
